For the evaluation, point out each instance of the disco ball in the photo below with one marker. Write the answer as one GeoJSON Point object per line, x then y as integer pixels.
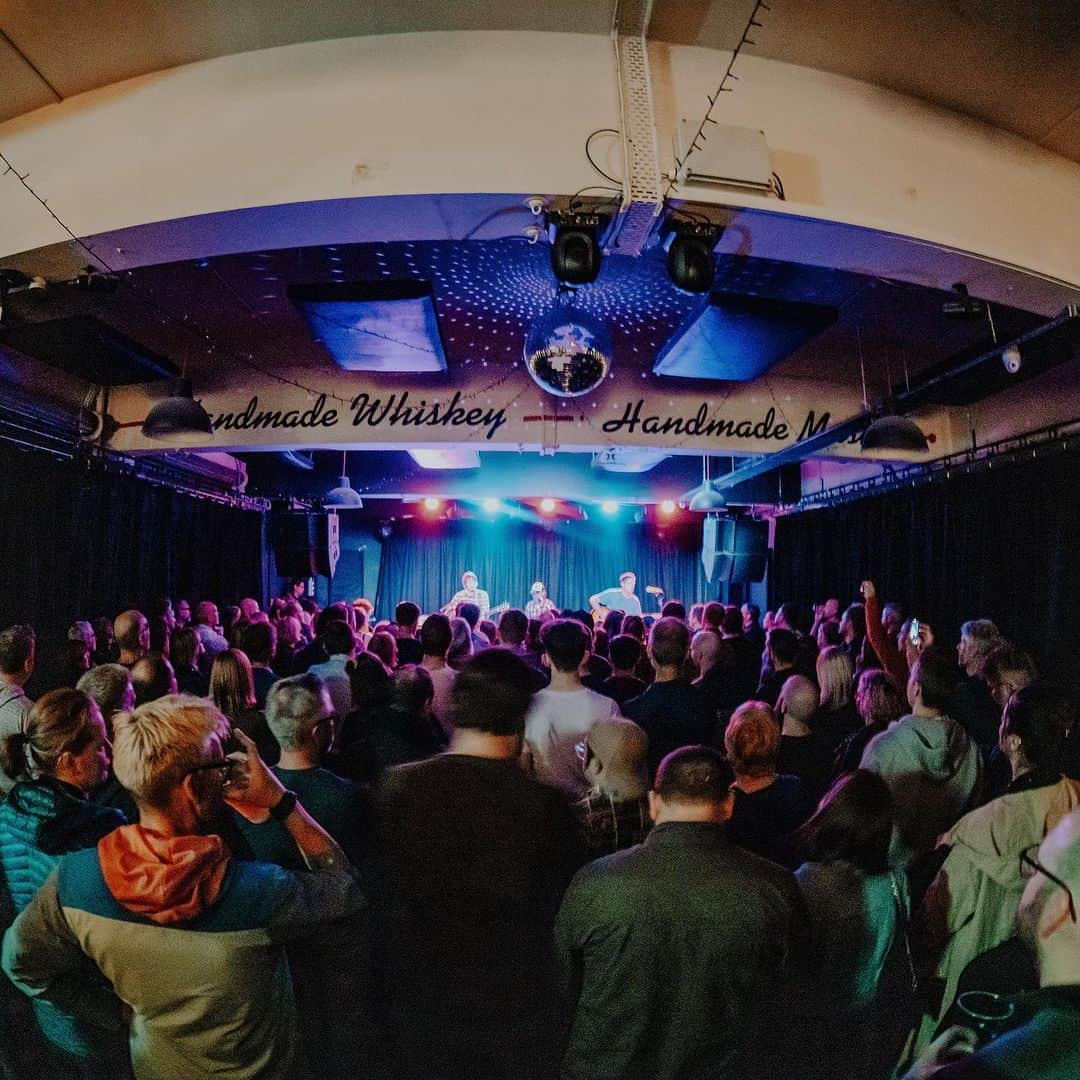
{"type": "Point", "coordinates": [568, 352]}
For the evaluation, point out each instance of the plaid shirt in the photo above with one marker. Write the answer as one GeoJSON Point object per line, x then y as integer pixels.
{"type": "Point", "coordinates": [609, 826]}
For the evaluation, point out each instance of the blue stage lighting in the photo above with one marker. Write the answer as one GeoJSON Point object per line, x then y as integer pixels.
{"type": "Point", "coordinates": [609, 507]}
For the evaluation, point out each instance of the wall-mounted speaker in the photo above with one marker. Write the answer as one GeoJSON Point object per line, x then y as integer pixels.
{"type": "Point", "coordinates": [304, 544]}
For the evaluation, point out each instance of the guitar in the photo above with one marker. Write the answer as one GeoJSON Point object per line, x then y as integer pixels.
{"type": "Point", "coordinates": [498, 609]}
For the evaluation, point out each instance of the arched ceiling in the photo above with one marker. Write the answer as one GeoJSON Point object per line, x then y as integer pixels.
{"type": "Point", "coordinates": [1011, 65]}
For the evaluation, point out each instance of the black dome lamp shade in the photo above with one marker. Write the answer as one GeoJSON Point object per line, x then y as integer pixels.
{"type": "Point", "coordinates": [706, 496]}
{"type": "Point", "coordinates": [344, 496]}
{"type": "Point", "coordinates": [179, 419]}
{"type": "Point", "coordinates": [895, 433]}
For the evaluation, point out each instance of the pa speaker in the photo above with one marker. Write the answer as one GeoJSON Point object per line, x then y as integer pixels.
{"type": "Point", "coordinates": [734, 549]}
{"type": "Point", "coordinates": [304, 544]}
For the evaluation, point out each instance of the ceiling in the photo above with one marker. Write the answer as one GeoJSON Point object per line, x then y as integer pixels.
{"type": "Point", "coordinates": [1013, 65]}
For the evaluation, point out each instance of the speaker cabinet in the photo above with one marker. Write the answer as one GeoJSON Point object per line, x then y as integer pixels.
{"type": "Point", "coordinates": [305, 544]}
{"type": "Point", "coordinates": [734, 549]}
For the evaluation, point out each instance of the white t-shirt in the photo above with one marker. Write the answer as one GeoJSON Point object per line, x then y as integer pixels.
{"type": "Point", "coordinates": [556, 722]}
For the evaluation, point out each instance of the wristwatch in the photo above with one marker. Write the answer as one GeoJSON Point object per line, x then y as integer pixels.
{"type": "Point", "coordinates": [284, 806]}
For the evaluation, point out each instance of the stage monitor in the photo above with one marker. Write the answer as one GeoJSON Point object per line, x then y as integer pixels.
{"type": "Point", "coordinates": [734, 549]}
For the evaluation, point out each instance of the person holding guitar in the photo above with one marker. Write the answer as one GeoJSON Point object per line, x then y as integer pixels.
{"type": "Point", "coordinates": [622, 599]}
{"type": "Point", "coordinates": [539, 601]}
{"type": "Point", "coordinates": [469, 593]}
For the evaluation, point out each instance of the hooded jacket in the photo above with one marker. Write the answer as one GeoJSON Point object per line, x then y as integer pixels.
{"type": "Point", "coordinates": [933, 770]}
{"type": "Point", "coordinates": [971, 904]}
{"type": "Point", "coordinates": [191, 939]}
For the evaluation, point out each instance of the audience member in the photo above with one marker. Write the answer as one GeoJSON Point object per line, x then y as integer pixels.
{"type": "Point", "coordinates": [931, 765]}
{"type": "Point", "coordinates": [185, 650]}
{"type": "Point", "coordinates": [383, 644]}
{"type": "Point", "coordinates": [60, 757]}
{"type": "Point", "coordinates": [406, 730]}
{"type": "Point", "coordinates": [881, 630]}
{"type": "Point", "coordinates": [1034, 723]}
{"type": "Point", "coordinates": [407, 616]}
{"type": "Point", "coordinates": [853, 904]}
{"type": "Point", "coordinates": [207, 625]}
{"type": "Point", "coordinates": [461, 643]}
{"type": "Point", "coordinates": [768, 807]}
{"type": "Point", "coordinates": [745, 657]}
{"type": "Point", "coordinates": [160, 636]}
{"type": "Point", "coordinates": [259, 643]}
{"type": "Point", "coordinates": [622, 684]}
{"type": "Point", "coordinates": [853, 630]}
{"type": "Point", "coordinates": [472, 860]}
{"type": "Point", "coordinates": [879, 702]}
{"type": "Point", "coordinates": [152, 677]}
{"type": "Point", "coordinates": [83, 631]}
{"type": "Point", "coordinates": [973, 705]}
{"type": "Point", "coordinates": [672, 711]}
{"type": "Point", "coordinates": [106, 651]}
{"type": "Point", "coordinates": [182, 613]}
{"type": "Point", "coordinates": [232, 690]}
{"type": "Point", "coordinates": [17, 651]}
{"type": "Point", "coordinates": [340, 645]}
{"type": "Point", "coordinates": [149, 903]}
{"type": "Point", "coordinates": [804, 751]}
{"type": "Point", "coordinates": [752, 629]}
{"type": "Point", "coordinates": [614, 813]}
{"type": "Point", "coordinates": [672, 950]}
{"type": "Point", "coordinates": [111, 688]}
{"type": "Point", "coordinates": [562, 714]}
{"type": "Point", "coordinates": [132, 632]}
{"type": "Point", "coordinates": [837, 716]}
{"type": "Point", "coordinates": [435, 639]}
{"type": "Point", "coordinates": [781, 649]}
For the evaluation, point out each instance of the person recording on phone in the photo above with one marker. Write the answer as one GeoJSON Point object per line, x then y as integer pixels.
{"type": "Point", "coordinates": [896, 650]}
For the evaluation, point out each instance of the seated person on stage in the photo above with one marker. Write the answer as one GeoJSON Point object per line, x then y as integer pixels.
{"type": "Point", "coordinates": [562, 714]}
{"type": "Point", "coordinates": [620, 599]}
{"type": "Point", "coordinates": [671, 711]}
{"type": "Point", "coordinates": [469, 593]}
{"type": "Point", "coordinates": [539, 601]}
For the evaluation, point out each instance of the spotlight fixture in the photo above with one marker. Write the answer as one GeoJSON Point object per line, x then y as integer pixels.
{"type": "Point", "coordinates": [667, 507]}
{"type": "Point", "coordinates": [547, 506]}
{"type": "Point", "coordinates": [690, 247]}
{"type": "Point", "coordinates": [178, 419]}
{"type": "Point", "coordinates": [344, 496]}
{"type": "Point", "coordinates": [568, 351]}
{"type": "Point", "coordinates": [894, 433]}
{"type": "Point", "coordinates": [1012, 359]}
{"type": "Point", "coordinates": [609, 507]}
{"type": "Point", "coordinates": [432, 504]}
{"type": "Point", "coordinates": [491, 505]}
{"type": "Point", "coordinates": [575, 245]}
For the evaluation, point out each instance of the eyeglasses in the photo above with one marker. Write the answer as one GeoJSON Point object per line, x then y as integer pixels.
{"type": "Point", "coordinates": [1030, 866]}
{"type": "Point", "coordinates": [224, 764]}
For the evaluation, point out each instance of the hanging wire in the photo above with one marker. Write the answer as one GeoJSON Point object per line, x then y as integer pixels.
{"type": "Point", "coordinates": [700, 137]}
{"type": "Point", "coordinates": [862, 369]}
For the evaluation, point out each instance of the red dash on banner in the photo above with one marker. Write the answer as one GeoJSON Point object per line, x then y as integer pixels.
{"type": "Point", "coordinates": [546, 419]}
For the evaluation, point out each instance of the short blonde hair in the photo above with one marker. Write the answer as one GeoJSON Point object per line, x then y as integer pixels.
{"type": "Point", "coordinates": [835, 672]}
{"type": "Point", "coordinates": [157, 743]}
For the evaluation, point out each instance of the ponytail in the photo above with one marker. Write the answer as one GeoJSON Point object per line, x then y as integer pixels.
{"type": "Point", "coordinates": [13, 758]}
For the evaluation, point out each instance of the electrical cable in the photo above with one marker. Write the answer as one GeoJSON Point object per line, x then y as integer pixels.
{"type": "Point", "coordinates": [588, 142]}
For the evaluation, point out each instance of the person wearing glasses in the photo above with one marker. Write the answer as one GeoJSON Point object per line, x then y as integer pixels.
{"type": "Point", "coordinates": [1038, 1036]}
{"type": "Point", "coordinates": [970, 906]}
{"type": "Point", "coordinates": [190, 939]}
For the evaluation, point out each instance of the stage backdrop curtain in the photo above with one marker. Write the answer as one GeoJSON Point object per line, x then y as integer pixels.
{"type": "Point", "coordinates": [1002, 544]}
{"type": "Point", "coordinates": [574, 560]}
{"type": "Point", "coordinates": [78, 545]}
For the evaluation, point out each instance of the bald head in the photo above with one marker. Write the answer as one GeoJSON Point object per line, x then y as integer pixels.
{"type": "Point", "coordinates": [131, 631]}
{"type": "Point", "coordinates": [798, 699]}
{"type": "Point", "coordinates": [705, 649]}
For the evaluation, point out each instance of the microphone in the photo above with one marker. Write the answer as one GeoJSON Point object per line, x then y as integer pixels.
{"type": "Point", "coordinates": [654, 590]}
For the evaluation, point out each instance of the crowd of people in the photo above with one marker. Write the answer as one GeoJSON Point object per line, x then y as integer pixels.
{"type": "Point", "coordinates": [304, 842]}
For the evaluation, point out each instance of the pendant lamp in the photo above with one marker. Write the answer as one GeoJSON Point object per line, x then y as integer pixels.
{"type": "Point", "coordinates": [344, 496]}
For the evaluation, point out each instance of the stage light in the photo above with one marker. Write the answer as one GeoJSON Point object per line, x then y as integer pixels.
{"type": "Point", "coordinates": [431, 504]}
{"type": "Point", "coordinates": [575, 246]}
{"type": "Point", "coordinates": [667, 507]}
{"type": "Point", "coordinates": [344, 496]}
{"type": "Point", "coordinates": [690, 262]}
{"type": "Point", "coordinates": [547, 506]}
{"type": "Point", "coordinates": [609, 507]}
{"type": "Point", "coordinates": [491, 505]}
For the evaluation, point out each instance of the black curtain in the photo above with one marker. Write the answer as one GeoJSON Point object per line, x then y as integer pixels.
{"type": "Point", "coordinates": [77, 545]}
{"type": "Point", "coordinates": [574, 560]}
{"type": "Point", "coordinates": [1002, 544]}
